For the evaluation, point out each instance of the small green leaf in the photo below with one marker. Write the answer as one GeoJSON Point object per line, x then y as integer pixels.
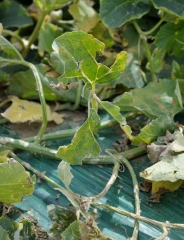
{"type": "Point", "coordinates": [64, 173]}
{"type": "Point", "coordinates": [47, 34]}
{"type": "Point", "coordinates": [3, 156]}
{"type": "Point", "coordinates": [114, 111]}
{"type": "Point", "coordinates": [116, 13]}
{"type": "Point", "coordinates": [13, 14]}
{"type": "Point", "coordinates": [28, 230]}
{"type": "Point", "coordinates": [84, 15]}
{"type": "Point", "coordinates": [61, 219]}
{"type": "Point", "coordinates": [154, 100]}
{"type": "Point", "coordinates": [170, 38]}
{"type": "Point", "coordinates": [157, 60]}
{"type": "Point", "coordinates": [3, 234]}
{"type": "Point", "coordinates": [83, 144]}
{"type": "Point", "coordinates": [175, 7]}
{"type": "Point", "coordinates": [78, 51]}
{"type": "Point", "coordinates": [152, 131]}
{"type": "Point", "coordinates": [14, 182]}
{"type": "Point", "coordinates": [9, 225]}
{"type": "Point", "coordinates": [49, 5]}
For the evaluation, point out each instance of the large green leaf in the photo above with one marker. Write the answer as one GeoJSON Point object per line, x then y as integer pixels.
{"type": "Point", "coordinates": [116, 13]}
{"type": "Point", "coordinates": [3, 234]}
{"type": "Point", "coordinates": [154, 100]}
{"type": "Point", "coordinates": [13, 14]}
{"type": "Point", "coordinates": [14, 182]}
{"type": "Point", "coordinates": [170, 6]}
{"type": "Point", "coordinates": [83, 144]}
{"type": "Point", "coordinates": [170, 38]}
{"type": "Point", "coordinates": [47, 34]}
{"type": "Point", "coordinates": [49, 5]}
{"type": "Point", "coordinates": [84, 15]}
{"type": "Point", "coordinates": [156, 128]}
{"type": "Point", "coordinates": [78, 51]}
{"type": "Point", "coordinates": [61, 219]}
{"type": "Point", "coordinates": [64, 173]}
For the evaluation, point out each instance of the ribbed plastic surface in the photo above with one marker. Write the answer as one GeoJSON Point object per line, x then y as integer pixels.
{"type": "Point", "coordinates": [89, 180]}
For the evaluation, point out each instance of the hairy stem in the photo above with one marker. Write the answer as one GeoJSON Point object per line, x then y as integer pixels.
{"type": "Point", "coordinates": [34, 34]}
{"type": "Point", "coordinates": [31, 147]}
{"type": "Point", "coordinates": [136, 194]}
{"type": "Point", "coordinates": [139, 218]}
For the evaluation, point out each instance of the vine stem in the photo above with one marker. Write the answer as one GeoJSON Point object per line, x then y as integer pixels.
{"type": "Point", "coordinates": [136, 194]}
{"type": "Point", "coordinates": [139, 218]}
{"type": "Point", "coordinates": [78, 97]}
{"type": "Point", "coordinates": [148, 53]}
{"type": "Point", "coordinates": [147, 32]}
{"type": "Point", "coordinates": [34, 34]}
{"type": "Point", "coordinates": [164, 235]}
{"type": "Point", "coordinates": [40, 92]}
{"type": "Point", "coordinates": [13, 34]}
{"type": "Point", "coordinates": [71, 132]}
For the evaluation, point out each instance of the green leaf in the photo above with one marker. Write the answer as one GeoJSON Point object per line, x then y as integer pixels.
{"type": "Point", "coordinates": [84, 15]}
{"type": "Point", "coordinates": [9, 225]}
{"type": "Point", "coordinates": [152, 131]}
{"type": "Point", "coordinates": [114, 111]}
{"type": "Point", "coordinates": [157, 59]}
{"type": "Point", "coordinates": [61, 219]}
{"type": "Point", "coordinates": [14, 182]}
{"type": "Point", "coordinates": [13, 14]}
{"type": "Point", "coordinates": [175, 7]}
{"type": "Point", "coordinates": [132, 77]}
{"type": "Point", "coordinates": [47, 34]}
{"type": "Point", "coordinates": [83, 144]}
{"type": "Point", "coordinates": [154, 100]}
{"type": "Point", "coordinates": [3, 234]}
{"type": "Point", "coordinates": [78, 51]}
{"type": "Point", "coordinates": [65, 174]}
{"type": "Point", "coordinates": [178, 74]}
{"type": "Point", "coordinates": [170, 38]}
{"type": "Point", "coordinates": [49, 5]}
{"type": "Point", "coordinates": [7, 51]}
{"type": "Point", "coordinates": [116, 13]}
{"type": "Point", "coordinates": [28, 230]}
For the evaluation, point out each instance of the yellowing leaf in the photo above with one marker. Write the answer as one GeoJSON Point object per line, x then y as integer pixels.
{"type": "Point", "coordinates": [85, 16]}
{"type": "Point", "coordinates": [3, 156]}
{"type": "Point", "coordinates": [24, 111]}
{"type": "Point", "coordinates": [164, 186]}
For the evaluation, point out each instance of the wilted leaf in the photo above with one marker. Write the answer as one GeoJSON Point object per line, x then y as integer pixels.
{"type": "Point", "coordinates": [3, 156]}
{"type": "Point", "coordinates": [83, 144]}
{"type": "Point", "coordinates": [116, 13]}
{"type": "Point", "coordinates": [3, 234]}
{"type": "Point", "coordinates": [84, 15]}
{"type": "Point", "coordinates": [24, 111]}
{"type": "Point", "coordinates": [14, 182]}
{"type": "Point", "coordinates": [170, 38]}
{"type": "Point", "coordinates": [175, 7]}
{"type": "Point", "coordinates": [114, 111]}
{"type": "Point", "coordinates": [12, 14]}
{"type": "Point", "coordinates": [154, 100]}
{"type": "Point", "coordinates": [49, 5]}
{"type": "Point", "coordinates": [156, 128]}
{"type": "Point", "coordinates": [48, 32]}
{"type": "Point", "coordinates": [64, 173]}
{"type": "Point", "coordinates": [78, 51]}
{"type": "Point", "coordinates": [61, 219]}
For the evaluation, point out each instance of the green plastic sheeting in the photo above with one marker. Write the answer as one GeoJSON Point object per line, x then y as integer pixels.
{"type": "Point", "coordinates": [89, 180]}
